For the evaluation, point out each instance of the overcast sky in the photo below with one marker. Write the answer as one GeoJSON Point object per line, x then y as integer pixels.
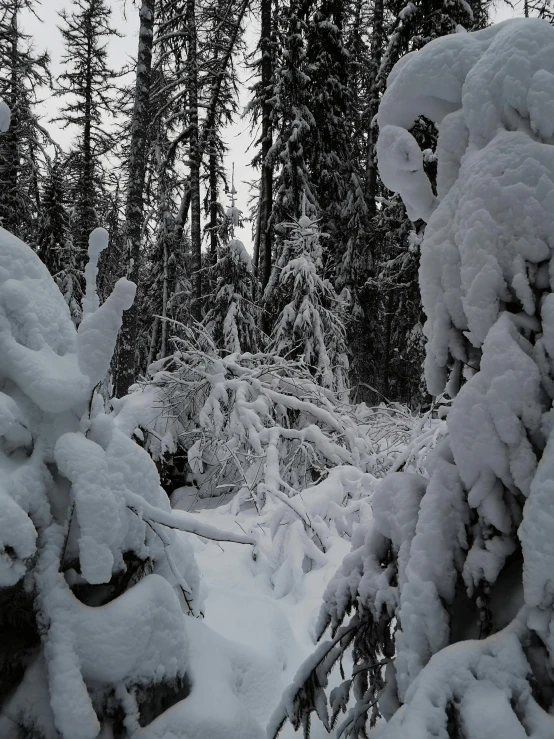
{"type": "Point", "coordinates": [123, 50]}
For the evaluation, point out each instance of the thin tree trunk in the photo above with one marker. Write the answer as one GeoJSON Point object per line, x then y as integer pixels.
{"type": "Point", "coordinates": [213, 206]}
{"type": "Point", "coordinates": [194, 160]}
{"type": "Point", "coordinates": [385, 375]}
{"type": "Point", "coordinates": [210, 119]}
{"type": "Point", "coordinates": [10, 140]}
{"type": "Point", "coordinates": [256, 253]}
{"type": "Point", "coordinates": [125, 373]}
{"type": "Point", "coordinates": [165, 295]}
{"type": "Point", "coordinates": [377, 40]}
{"type": "Point", "coordinates": [266, 189]}
{"type": "Point", "coordinates": [86, 218]}
{"type": "Point", "coordinates": [153, 340]}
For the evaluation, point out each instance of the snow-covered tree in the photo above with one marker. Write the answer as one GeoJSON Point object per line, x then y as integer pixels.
{"type": "Point", "coordinates": [86, 86]}
{"type": "Point", "coordinates": [134, 216]}
{"type": "Point", "coordinates": [450, 586]}
{"type": "Point", "coordinates": [232, 315]}
{"type": "Point", "coordinates": [54, 243]}
{"type": "Point", "coordinates": [53, 233]}
{"type": "Point", "coordinates": [310, 325]}
{"type": "Point", "coordinates": [95, 583]}
{"type": "Point", "coordinates": [22, 160]}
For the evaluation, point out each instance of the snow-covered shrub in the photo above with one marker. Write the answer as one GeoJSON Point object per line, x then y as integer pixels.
{"type": "Point", "coordinates": [255, 428]}
{"type": "Point", "coordinates": [451, 584]}
{"type": "Point", "coordinates": [94, 580]}
{"type": "Point", "coordinates": [310, 325]}
{"type": "Point", "coordinates": [303, 525]}
{"type": "Point", "coordinates": [253, 425]}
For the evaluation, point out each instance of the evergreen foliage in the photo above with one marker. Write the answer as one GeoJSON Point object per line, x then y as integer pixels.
{"type": "Point", "coordinates": [23, 163]}
{"type": "Point", "coordinates": [309, 326]}
{"type": "Point", "coordinates": [87, 88]}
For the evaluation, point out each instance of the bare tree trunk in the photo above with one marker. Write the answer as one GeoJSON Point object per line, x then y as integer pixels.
{"type": "Point", "coordinates": [165, 297]}
{"type": "Point", "coordinates": [194, 160]}
{"type": "Point", "coordinates": [377, 41]}
{"type": "Point", "coordinates": [256, 252]}
{"type": "Point", "coordinates": [211, 113]}
{"type": "Point", "coordinates": [9, 167]}
{"type": "Point", "coordinates": [266, 185]}
{"type": "Point", "coordinates": [125, 372]}
{"type": "Point", "coordinates": [153, 340]}
{"type": "Point", "coordinates": [213, 206]}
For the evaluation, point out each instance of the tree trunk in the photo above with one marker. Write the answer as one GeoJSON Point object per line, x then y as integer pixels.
{"type": "Point", "coordinates": [210, 119]}
{"type": "Point", "coordinates": [194, 160]}
{"type": "Point", "coordinates": [165, 298]}
{"type": "Point", "coordinates": [125, 373]}
{"type": "Point", "coordinates": [9, 166]}
{"type": "Point", "coordinates": [266, 185]}
{"type": "Point", "coordinates": [377, 41]}
{"type": "Point", "coordinates": [213, 206]}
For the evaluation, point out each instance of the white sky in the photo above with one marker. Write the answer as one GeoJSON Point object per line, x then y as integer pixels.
{"type": "Point", "coordinates": [121, 50]}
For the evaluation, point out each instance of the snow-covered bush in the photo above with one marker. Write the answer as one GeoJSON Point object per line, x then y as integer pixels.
{"type": "Point", "coordinates": [451, 584]}
{"type": "Point", "coordinates": [94, 580]}
{"type": "Point", "coordinates": [304, 525]}
{"type": "Point", "coordinates": [256, 429]}
{"type": "Point", "coordinates": [253, 425]}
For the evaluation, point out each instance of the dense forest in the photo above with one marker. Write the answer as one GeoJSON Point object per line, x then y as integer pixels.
{"type": "Point", "coordinates": [149, 163]}
{"type": "Point", "coordinates": [317, 466]}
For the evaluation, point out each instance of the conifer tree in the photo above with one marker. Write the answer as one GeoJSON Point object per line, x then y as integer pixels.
{"type": "Point", "coordinates": [87, 89]}
{"type": "Point", "coordinates": [262, 108]}
{"type": "Point", "coordinates": [22, 160]}
{"type": "Point", "coordinates": [53, 234]}
{"type": "Point", "coordinates": [232, 318]}
{"type": "Point", "coordinates": [310, 325]}
{"type": "Point", "coordinates": [137, 162]}
{"type": "Point", "coordinates": [54, 243]}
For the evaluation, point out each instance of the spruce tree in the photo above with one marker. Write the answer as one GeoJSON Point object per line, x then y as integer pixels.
{"type": "Point", "coordinates": [310, 325]}
{"type": "Point", "coordinates": [137, 163]}
{"type": "Point", "coordinates": [232, 318]}
{"type": "Point", "coordinates": [87, 89]}
{"type": "Point", "coordinates": [54, 243]}
{"type": "Point", "coordinates": [22, 163]}
{"type": "Point", "coordinates": [53, 235]}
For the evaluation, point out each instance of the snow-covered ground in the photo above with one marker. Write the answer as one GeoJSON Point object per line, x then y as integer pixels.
{"type": "Point", "coordinates": [274, 634]}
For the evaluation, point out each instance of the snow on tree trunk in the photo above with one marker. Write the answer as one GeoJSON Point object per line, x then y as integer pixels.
{"type": "Point", "coordinates": [451, 584]}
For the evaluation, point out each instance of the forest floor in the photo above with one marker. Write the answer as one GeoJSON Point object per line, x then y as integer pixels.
{"type": "Point", "coordinates": [241, 607]}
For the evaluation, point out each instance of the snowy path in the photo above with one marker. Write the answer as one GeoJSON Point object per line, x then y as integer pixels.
{"type": "Point", "coordinates": [240, 606]}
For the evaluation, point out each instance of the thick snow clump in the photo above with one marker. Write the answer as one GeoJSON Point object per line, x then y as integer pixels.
{"type": "Point", "coordinates": [451, 583]}
{"type": "Point", "coordinates": [95, 583]}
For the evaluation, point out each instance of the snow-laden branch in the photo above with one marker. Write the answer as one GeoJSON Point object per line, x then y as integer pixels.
{"type": "Point", "coordinates": [182, 522]}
